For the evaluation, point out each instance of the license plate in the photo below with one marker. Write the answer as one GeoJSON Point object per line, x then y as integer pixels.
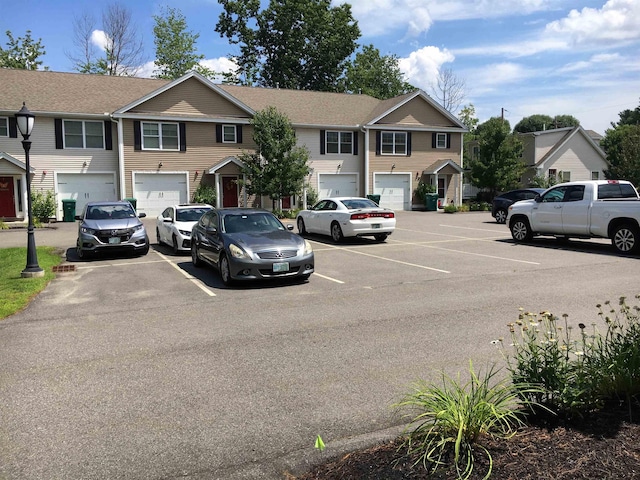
{"type": "Point", "coordinates": [114, 240]}
{"type": "Point", "coordinates": [375, 225]}
{"type": "Point", "coordinates": [281, 267]}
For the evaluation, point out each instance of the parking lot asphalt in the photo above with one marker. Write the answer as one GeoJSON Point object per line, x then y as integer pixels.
{"type": "Point", "coordinates": [149, 368]}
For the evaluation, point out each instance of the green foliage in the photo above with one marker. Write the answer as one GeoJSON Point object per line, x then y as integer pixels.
{"type": "Point", "coordinates": [205, 194]}
{"type": "Point", "coordinates": [538, 123]}
{"type": "Point", "coordinates": [498, 166]}
{"type": "Point", "coordinates": [542, 181]}
{"type": "Point", "coordinates": [423, 188]}
{"type": "Point", "coordinates": [479, 206]}
{"type": "Point", "coordinates": [319, 444]}
{"type": "Point", "coordinates": [15, 291]}
{"type": "Point", "coordinates": [280, 167]}
{"type": "Point", "coordinates": [373, 74]}
{"type": "Point", "coordinates": [312, 195]}
{"type": "Point", "coordinates": [628, 117]}
{"type": "Point", "coordinates": [451, 208]}
{"type": "Point", "coordinates": [22, 53]}
{"type": "Point", "coordinates": [447, 420]}
{"type": "Point", "coordinates": [467, 116]}
{"type": "Point", "coordinates": [577, 375]}
{"type": "Point", "coordinates": [43, 205]}
{"type": "Point", "coordinates": [622, 145]}
{"type": "Point", "coordinates": [297, 44]}
{"type": "Point", "coordinates": [175, 46]}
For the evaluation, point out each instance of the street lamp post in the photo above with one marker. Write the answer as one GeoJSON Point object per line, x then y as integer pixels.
{"type": "Point", "coordinates": [25, 120]}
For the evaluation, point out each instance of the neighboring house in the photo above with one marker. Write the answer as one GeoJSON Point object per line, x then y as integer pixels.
{"type": "Point", "coordinates": [100, 137]}
{"type": "Point", "coordinates": [565, 154]}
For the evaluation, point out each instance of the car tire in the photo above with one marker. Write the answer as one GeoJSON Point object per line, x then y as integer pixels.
{"type": "Point", "coordinates": [225, 270]}
{"type": "Point", "coordinates": [195, 258]}
{"type": "Point", "coordinates": [145, 250]}
{"type": "Point", "coordinates": [625, 238]}
{"type": "Point", "coordinates": [336, 232]}
{"type": "Point", "coordinates": [521, 230]}
{"type": "Point", "coordinates": [301, 228]}
{"type": "Point", "coordinates": [158, 236]}
{"type": "Point", "coordinates": [381, 237]}
{"type": "Point", "coordinates": [501, 215]}
{"type": "Point", "coordinates": [82, 254]}
{"type": "Point", "coordinates": [176, 250]}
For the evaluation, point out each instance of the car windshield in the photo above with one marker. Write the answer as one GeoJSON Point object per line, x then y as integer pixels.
{"type": "Point", "coordinates": [110, 212]}
{"type": "Point", "coordinates": [190, 214]}
{"type": "Point", "coordinates": [251, 222]}
{"type": "Point", "coordinates": [354, 203]}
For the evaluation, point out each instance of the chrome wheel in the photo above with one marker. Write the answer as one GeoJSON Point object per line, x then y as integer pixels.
{"type": "Point", "coordinates": [625, 239]}
{"type": "Point", "coordinates": [501, 216]}
{"type": "Point", "coordinates": [520, 230]}
{"type": "Point", "coordinates": [336, 232]}
{"type": "Point", "coordinates": [225, 270]}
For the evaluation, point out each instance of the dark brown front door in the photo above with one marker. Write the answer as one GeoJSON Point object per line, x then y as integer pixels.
{"type": "Point", "coordinates": [229, 192]}
{"type": "Point", "coordinates": [7, 205]}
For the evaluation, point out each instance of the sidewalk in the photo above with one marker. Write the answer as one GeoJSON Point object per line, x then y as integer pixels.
{"type": "Point", "coordinates": [54, 234]}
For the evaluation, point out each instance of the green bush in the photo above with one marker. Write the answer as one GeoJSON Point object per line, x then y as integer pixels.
{"type": "Point", "coordinates": [423, 188]}
{"type": "Point", "coordinates": [577, 375]}
{"type": "Point", "coordinates": [451, 208]}
{"type": "Point", "coordinates": [312, 196]}
{"type": "Point", "coordinates": [43, 206]}
{"type": "Point", "coordinates": [205, 194]}
{"type": "Point", "coordinates": [447, 420]}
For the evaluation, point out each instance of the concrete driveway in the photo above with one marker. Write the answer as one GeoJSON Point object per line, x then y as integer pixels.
{"type": "Point", "coordinates": [148, 368]}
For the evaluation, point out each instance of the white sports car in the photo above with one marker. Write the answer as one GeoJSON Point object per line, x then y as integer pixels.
{"type": "Point", "coordinates": [174, 225]}
{"type": "Point", "coordinates": [342, 217]}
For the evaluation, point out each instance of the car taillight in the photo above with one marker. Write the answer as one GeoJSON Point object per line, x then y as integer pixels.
{"type": "Point", "coordinates": [364, 216]}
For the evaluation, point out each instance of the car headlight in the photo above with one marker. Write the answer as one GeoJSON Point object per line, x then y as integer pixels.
{"type": "Point", "coordinates": [237, 252]}
{"type": "Point", "coordinates": [186, 233]}
{"type": "Point", "coordinates": [307, 247]}
{"type": "Point", "coordinates": [87, 230]}
{"type": "Point", "coordinates": [138, 227]}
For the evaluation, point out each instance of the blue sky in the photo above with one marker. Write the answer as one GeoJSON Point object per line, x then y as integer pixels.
{"type": "Point", "coordinates": [552, 57]}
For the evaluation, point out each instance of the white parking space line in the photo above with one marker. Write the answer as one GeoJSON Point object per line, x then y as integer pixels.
{"type": "Point", "coordinates": [469, 228]}
{"type": "Point", "coordinates": [392, 260]}
{"type": "Point", "coordinates": [194, 280]}
{"type": "Point", "coordinates": [123, 264]}
{"type": "Point", "coordinates": [316, 274]}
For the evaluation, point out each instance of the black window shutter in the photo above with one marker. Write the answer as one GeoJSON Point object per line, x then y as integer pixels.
{"type": "Point", "coordinates": [108, 136]}
{"type": "Point", "coordinates": [239, 134]}
{"type": "Point", "coordinates": [183, 136]}
{"type": "Point", "coordinates": [322, 141]}
{"type": "Point", "coordinates": [378, 141]}
{"type": "Point", "coordinates": [408, 144]}
{"type": "Point", "coordinates": [355, 143]}
{"type": "Point", "coordinates": [434, 140]}
{"type": "Point", "coordinates": [13, 127]}
{"type": "Point", "coordinates": [137, 135]}
{"type": "Point", "coordinates": [448, 140]}
{"type": "Point", "coordinates": [218, 133]}
{"type": "Point", "coordinates": [58, 128]}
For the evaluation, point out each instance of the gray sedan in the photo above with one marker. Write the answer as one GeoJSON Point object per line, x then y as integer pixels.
{"type": "Point", "coordinates": [111, 227]}
{"type": "Point", "coordinates": [250, 244]}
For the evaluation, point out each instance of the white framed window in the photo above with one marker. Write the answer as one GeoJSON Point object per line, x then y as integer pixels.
{"type": "Point", "coordinates": [159, 136]}
{"type": "Point", "coordinates": [564, 176]}
{"type": "Point", "coordinates": [83, 134]}
{"type": "Point", "coordinates": [229, 134]}
{"type": "Point", "coordinates": [441, 140]}
{"type": "Point", "coordinates": [393, 143]}
{"type": "Point", "coordinates": [4, 127]}
{"type": "Point", "coordinates": [595, 175]}
{"type": "Point", "coordinates": [339, 142]}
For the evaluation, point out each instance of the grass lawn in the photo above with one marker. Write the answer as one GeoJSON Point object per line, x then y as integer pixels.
{"type": "Point", "coordinates": [15, 291]}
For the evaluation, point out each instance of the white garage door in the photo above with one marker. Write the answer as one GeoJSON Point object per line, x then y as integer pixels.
{"type": "Point", "coordinates": [85, 187]}
{"type": "Point", "coordinates": [337, 185]}
{"type": "Point", "coordinates": [156, 191]}
{"type": "Point", "coordinates": [394, 190]}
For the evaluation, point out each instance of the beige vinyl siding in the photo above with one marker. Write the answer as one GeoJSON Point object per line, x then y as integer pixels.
{"type": "Point", "coordinates": [579, 158]}
{"type": "Point", "coordinates": [545, 142]}
{"type": "Point", "coordinates": [417, 112]}
{"type": "Point", "coordinates": [191, 98]}
{"type": "Point", "coordinates": [202, 153]}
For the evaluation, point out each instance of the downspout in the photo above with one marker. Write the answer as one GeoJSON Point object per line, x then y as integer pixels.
{"type": "Point", "coordinates": [123, 193]}
{"type": "Point", "coordinates": [366, 160]}
{"type": "Point", "coordinates": [461, 180]}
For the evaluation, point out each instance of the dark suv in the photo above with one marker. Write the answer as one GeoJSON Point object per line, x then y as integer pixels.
{"type": "Point", "coordinates": [502, 202]}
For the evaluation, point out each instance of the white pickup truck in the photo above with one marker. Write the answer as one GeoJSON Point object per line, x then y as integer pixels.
{"type": "Point", "coordinates": [590, 209]}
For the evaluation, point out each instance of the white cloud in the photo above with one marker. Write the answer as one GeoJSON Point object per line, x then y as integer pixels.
{"type": "Point", "coordinates": [99, 39]}
{"type": "Point", "coordinates": [422, 66]}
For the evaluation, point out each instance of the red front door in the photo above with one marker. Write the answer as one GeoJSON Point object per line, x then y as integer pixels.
{"type": "Point", "coordinates": [229, 192]}
{"type": "Point", "coordinates": [7, 204]}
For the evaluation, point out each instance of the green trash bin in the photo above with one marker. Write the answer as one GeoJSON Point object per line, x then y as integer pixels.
{"type": "Point", "coordinates": [431, 202]}
{"type": "Point", "coordinates": [133, 202]}
{"type": "Point", "coordinates": [68, 210]}
{"type": "Point", "coordinates": [375, 198]}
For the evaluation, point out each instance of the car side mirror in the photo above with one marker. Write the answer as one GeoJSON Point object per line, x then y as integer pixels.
{"type": "Point", "coordinates": [211, 230]}
{"type": "Point", "coordinates": [167, 219]}
{"type": "Point", "coordinates": [78, 217]}
{"type": "Point", "coordinates": [142, 215]}
{"type": "Point", "coordinates": [538, 198]}
{"type": "Point", "coordinates": [289, 227]}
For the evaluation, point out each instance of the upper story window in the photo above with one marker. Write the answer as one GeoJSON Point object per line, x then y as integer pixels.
{"type": "Point", "coordinates": [83, 134]}
{"type": "Point", "coordinates": [393, 143]}
{"type": "Point", "coordinates": [595, 175]}
{"type": "Point", "coordinates": [441, 140]}
{"type": "Point", "coordinates": [339, 142]}
{"type": "Point", "coordinates": [160, 136]}
{"type": "Point", "coordinates": [229, 134]}
{"type": "Point", "coordinates": [4, 127]}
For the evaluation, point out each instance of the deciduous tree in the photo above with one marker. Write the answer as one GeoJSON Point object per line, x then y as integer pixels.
{"type": "Point", "coordinates": [22, 53]}
{"type": "Point", "coordinates": [540, 122]}
{"type": "Point", "coordinates": [449, 90]}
